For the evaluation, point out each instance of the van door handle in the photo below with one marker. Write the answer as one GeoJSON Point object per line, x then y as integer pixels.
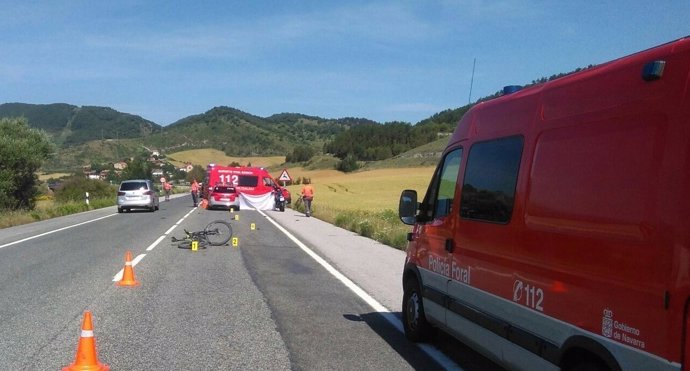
{"type": "Point", "coordinates": [450, 245]}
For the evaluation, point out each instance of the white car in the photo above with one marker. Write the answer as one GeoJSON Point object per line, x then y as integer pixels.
{"type": "Point", "coordinates": [137, 194]}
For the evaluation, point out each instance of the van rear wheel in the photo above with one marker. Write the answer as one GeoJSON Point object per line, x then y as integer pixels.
{"type": "Point", "coordinates": [417, 328]}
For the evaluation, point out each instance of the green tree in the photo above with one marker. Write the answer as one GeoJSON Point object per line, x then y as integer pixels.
{"type": "Point", "coordinates": [300, 154]}
{"type": "Point", "coordinates": [169, 170]}
{"type": "Point", "coordinates": [197, 173]}
{"type": "Point", "coordinates": [22, 152]}
{"type": "Point", "coordinates": [137, 169]}
{"type": "Point", "coordinates": [348, 164]}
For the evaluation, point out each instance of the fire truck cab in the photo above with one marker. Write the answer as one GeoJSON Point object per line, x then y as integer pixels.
{"type": "Point", "coordinates": [555, 232]}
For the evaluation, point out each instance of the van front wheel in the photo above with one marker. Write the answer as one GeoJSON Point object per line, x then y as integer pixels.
{"type": "Point", "coordinates": [414, 320]}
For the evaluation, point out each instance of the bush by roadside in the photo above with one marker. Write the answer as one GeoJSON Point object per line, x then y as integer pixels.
{"type": "Point", "coordinates": [74, 190]}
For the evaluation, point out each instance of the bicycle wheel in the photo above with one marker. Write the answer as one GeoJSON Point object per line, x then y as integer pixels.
{"type": "Point", "coordinates": [187, 244]}
{"type": "Point", "coordinates": [218, 232]}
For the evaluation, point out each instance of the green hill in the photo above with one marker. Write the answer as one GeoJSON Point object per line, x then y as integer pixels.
{"type": "Point", "coordinates": [72, 125]}
{"type": "Point", "coordinates": [238, 133]}
{"type": "Point", "coordinates": [92, 135]}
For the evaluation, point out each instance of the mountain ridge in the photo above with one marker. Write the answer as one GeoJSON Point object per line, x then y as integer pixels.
{"type": "Point", "coordinates": [91, 134]}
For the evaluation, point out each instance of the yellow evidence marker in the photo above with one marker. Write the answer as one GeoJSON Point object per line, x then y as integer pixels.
{"type": "Point", "coordinates": [235, 241]}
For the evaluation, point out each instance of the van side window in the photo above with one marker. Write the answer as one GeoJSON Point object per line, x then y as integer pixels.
{"type": "Point", "coordinates": [488, 190]}
{"type": "Point", "coordinates": [439, 197]}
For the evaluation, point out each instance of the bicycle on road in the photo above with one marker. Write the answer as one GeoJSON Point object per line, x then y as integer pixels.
{"type": "Point", "coordinates": [216, 233]}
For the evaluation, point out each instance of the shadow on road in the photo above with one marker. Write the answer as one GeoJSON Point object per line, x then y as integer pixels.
{"type": "Point", "coordinates": [458, 352]}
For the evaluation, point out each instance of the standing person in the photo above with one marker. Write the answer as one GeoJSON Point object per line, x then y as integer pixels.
{"type": "Point", "coordinates": [307, 197]}
{"type": "Point", "coordinates": [195, 192]}
{"type": "Point", "coordinates": [167, 186]}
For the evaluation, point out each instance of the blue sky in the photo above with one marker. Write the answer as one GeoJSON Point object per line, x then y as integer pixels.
{"type": "Point", "coordinates": [383, 60]}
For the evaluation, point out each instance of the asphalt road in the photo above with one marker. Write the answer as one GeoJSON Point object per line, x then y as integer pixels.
{"type": "Point", "coordinates": [266, 303]}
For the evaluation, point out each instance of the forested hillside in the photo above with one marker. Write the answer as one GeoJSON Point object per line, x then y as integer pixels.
{"type": "Point", "coordinates": [70, 125]}
{"type": "Point", "coordinates": [238, 133]}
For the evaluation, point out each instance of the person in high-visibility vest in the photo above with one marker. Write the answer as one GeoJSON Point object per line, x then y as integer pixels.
{"type": "Point", "coordinates": [195, 192]}
{"type": "Point", "coordinates": [307, 197]}
{"type": "Point", "coordinates": [167, 187]}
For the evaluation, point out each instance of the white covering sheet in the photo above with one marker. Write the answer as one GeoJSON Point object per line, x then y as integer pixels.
{"type": "Point", "coordinates": [259, 202]}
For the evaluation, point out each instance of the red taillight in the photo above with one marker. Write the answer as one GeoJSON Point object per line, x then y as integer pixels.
{"type": "Point", "coordinates": [120, 193]}
{"type": "Point", "coordinates": [149, 193]}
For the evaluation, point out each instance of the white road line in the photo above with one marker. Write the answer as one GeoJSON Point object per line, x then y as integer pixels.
{"type": "Point", "coordinates": [155, 243]}
{"type": "Point", "coordinates": [54, 231]}
{"type": "Point", "coordinates": [431, 351]}
{"type": "Point", "coordinates": [135, 261]}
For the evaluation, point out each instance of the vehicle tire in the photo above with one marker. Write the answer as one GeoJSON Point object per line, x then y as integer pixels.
{"type": "Point", "coordinates": [417, 329]}
{"type": "Point", "coordinates": [218, 232]}
{"type": "Point", "coordinates": [586, 364]}
{"type": "Point", "coordinates": [282, 207]}
{"type": "Point", "coordinates": [119, 210]}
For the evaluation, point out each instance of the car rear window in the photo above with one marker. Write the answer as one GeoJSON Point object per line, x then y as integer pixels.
{"type": "Point", "coordinates": [224, 190]}
{"type": "Point", "coordinates": [133, 186]}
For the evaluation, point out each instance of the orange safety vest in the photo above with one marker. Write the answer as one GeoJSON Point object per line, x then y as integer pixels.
{"type": "Point", "coordinates": [308, 192]}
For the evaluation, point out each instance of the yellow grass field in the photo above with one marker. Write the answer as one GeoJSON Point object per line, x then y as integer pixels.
{"type": "Point", "coordinates": [374, 190]}
{"type": "Point", "coordinates": [45, 176]}
{"type": "Point", "coordinates": [203, 157]}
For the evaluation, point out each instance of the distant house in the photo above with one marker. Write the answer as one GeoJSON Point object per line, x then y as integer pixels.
{"type": "Point", "coordinates": [121, 165]}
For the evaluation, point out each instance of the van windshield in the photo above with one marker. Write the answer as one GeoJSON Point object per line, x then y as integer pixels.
{"type": "Point", "coordinates": [248, 181]}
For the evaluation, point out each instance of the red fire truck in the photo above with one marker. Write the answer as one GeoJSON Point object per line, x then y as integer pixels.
{"type": "Point", "coordinates": [555, 233]}
{"type": "Point", "coordinates": [251, 181]}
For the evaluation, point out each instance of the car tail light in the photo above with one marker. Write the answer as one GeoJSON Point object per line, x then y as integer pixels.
{"type": "Point", "coordinates": [120, 193]}
{"type": "Point", "coordinates": [149, 193]}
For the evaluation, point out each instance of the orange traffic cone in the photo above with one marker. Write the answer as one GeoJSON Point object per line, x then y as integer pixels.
{"type": "Point", "coordinates": [86, 358]}
{"type": "Point", "coordinates": [128, 273]}
{"type": "Point", "coordinates": [204, 203]}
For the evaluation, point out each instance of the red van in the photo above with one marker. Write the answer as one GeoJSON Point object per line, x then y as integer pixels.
{"type": "Point", "coordinates": [253, 181]}
{"type": "Point", "coordinates": [555, 233]}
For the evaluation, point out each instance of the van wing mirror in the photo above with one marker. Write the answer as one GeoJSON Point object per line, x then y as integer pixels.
{"type": "Point", "coordinates": [407, 208]}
